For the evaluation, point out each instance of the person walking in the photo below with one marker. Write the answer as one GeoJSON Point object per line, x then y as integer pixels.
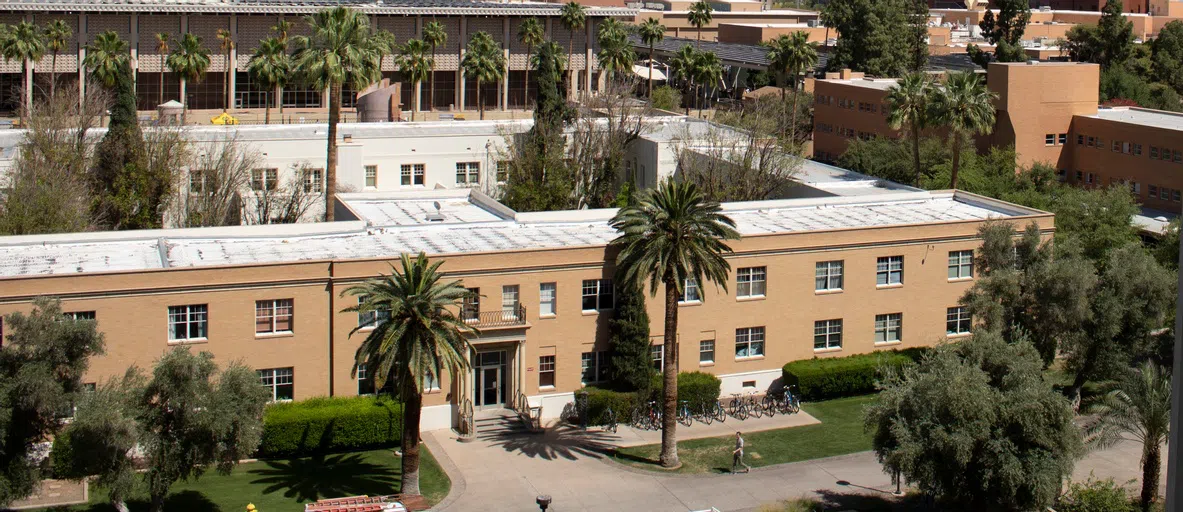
{"type": "Point", "coordinates": [737, 455]}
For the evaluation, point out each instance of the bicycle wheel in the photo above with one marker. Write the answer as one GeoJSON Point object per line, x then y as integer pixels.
{"type": "Point", "coordinates": [755, 406]}
{"type": "Point", "coordinates": [769, 405]}
{"type": "Point", "coordinates": [734, 407]}
{"type": "Point", "coordinates": [719, 413]}
{"type": "Point", "coordinates": [610, 420]}
{"type": "Point", "coordinates": [794, 404]}
{"type": "Point", "coordinates": [684, 418]}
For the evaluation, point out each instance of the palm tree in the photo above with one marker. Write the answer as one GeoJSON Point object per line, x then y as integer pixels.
{"type": "Point", "coordinates": [700, 15]}
{"type": "Point", "coordinates": [282, 28]}
{"type": "Point", "coordinates": [483, 60]}
{"type": "Point", "coordinates": [708, 70]}
{"type": "Point", "coordinates": [573, 16]}
{"type": "Point", "coordinates": [616, 55]}
{"type": "Point", "coordinates": [343, 48]}
{"type": "Point", "coordinates": [422, 335]}
{"type": "Point", "coordinates": [57, 37]}
{"type": "Point", "coordinates": [270, 67]}
{"type": "Point", "coordinates": [531, 33]}
{"type": "Point", "coordinates": [908, 101]}
{"type": "Point", "coordinates": [791, 55]}
{"type": "Point", "coordinates": [1138, 410]}
{"type": "Point", "coordinates": [189, 61]}
{"type": "Point", "coordinates": [415, 64]}
{"type": "Point", "coordinates": [105, 57]}
{"type": "Point", "coordinates": [682, 65]}
{"type": "Point", "coordinates": [966, 107]}
{"type": "Point", "coordinates": [226, 41]}
{"type": "Point", "coordinates": [162, 49]}
{"type": "Point", "coordinates": [670, 236]}
{"type": "Point", "coordinates": [23, 43]}
{"type": "Point", "coordinates": [652, 32]}
{"type": "Point", "coordinates": [435, 36]}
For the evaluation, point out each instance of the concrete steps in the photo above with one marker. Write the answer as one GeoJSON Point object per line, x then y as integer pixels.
{"type": "Point", "coordinates": [498, 424]}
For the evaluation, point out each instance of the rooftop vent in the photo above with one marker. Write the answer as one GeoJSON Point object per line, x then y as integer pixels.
{"type": "Point", "coordinates": [1032, 62]}
{"type": "Point", "coordinates": [437, 216]}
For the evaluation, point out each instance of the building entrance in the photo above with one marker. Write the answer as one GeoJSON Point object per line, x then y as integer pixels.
{"type": "Point", "coordinates": [490, 380]}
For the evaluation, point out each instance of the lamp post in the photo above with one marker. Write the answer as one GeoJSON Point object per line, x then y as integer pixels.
{"type": "Point", "coordinates": [543, 502]}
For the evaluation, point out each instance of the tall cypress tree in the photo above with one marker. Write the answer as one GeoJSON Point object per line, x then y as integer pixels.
{"type": "Point", "coordinates": [632, 362]}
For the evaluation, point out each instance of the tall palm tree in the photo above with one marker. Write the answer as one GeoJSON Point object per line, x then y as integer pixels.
{"type": "Point", "coordinates": [435, 36]}
{"type": "Point", "coordinates": [615, 55]}
{"type": "Point", "coordinates": [343, 49]}
{"type": "Point", "coordinates": [790, 55]}
{"type": "Point", "coordinates": [484, 61]}
{"type": "Point", "coordinates": [682, 66]}
{"type": "Point", "coordinates": [573, 16]}
{"type": "Point", "coordinates": [671, 235]}
{"type": "Point", "coordinates": [708, 71]}
{"type": "Point", "coordinates": [189, 61]}
{"type": "Point", "coordinates": [651, 32]}
{"type": "Point", "coordinates": [422, 336]}
{"type": "Point", "coordinates": [226, 42]}
{"type": "Point", "coordinates": [530, 33]}
{"type": "Point", "coordinates": [270, 67]}
{"type": "Point", "coordinates": [966, 107]}
{"type": "Point", "coordinates": [57, 37]}
{"type": "Point", "coordinates": [1139, 410]}
{"type": "Point", "coordinates": [282, 28]}
{"type": "Point", "coordinates": [908, 101]}
{"type": "Point", "coordinates": [105, 57]}
{"type": "Point", "coordinates": [23, 43]}
{"type": "Point", "coordinates": [162, 40]}
{"type": "Point", "coordinates": [415, 65]}
{"type": "Point", "coordinates": [700, 15]}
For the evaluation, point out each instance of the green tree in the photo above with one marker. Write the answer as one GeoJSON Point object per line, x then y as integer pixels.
{"type": "Point", "coordinates": [270, 67]}
{"type": "Point", "coordinates": [1138, 410]}
{"type": "Point", "coordinates": [42, 360]}
{"type": "Point", "coordinates": [162, 48]}
{"type": "Point", "coordinates": [415, 64]}
{"type": "Point", "coordinates": [1109, 43]}
{"type": "Point", "coordinates": [57, 35]}
{"type": "Point", "coordinates": [573, 16]}
{"type": "Point", "coordinates": [530, 33]}
{"type": "Point", "coordinates": [189, 60]}
{"type": "Point", "coordinates": [874, 35]}
{"type": "Point", "coordinates": [23, 43]}
{"type": "Point", "coordinates": [908, 105]}
{"type": "Point", "coordinates": [616, 54]}
{"type": "Point", "coordinates": [1167, 55]}
{"type": "Point", "coordinates": [226, 43]}
{"type": "Point", "coordinates": [1095, 496]}
{"type": "Point", "coordinates": [631, 358]}
{"type": "Point", "coordinates": [343, 49]}
{"type": "Point", "coordinates": [106, 57]}
{"type": "Point", "coordinates": [966, 107]}
{"type": "Point", "coordinates": [539, 178]}
{"type": "Point", "coordinates": [708, 72]}
{"type": "Point", "coordinates": [666, 98]}
{"type": "Point", "coordinates": [97, 442]}
{"type": "Point", "coordinates": [651, 32]}
{"type": "Point", "coordinates": [435, 36]}
{"type": "Point", "coordinates": [1004, 31]}
{"type": "Point", "coordinates": [483, 60]}
{"type": "Point", "coordinates": [700, 15]}
{"type": "Point", "coordinates": [683, 66]}
{"type": "Point", "coordinates": [974, 424]}
{"type": "Point", "coordinates": [422, 336]}
{"type": "Point", "coordinates": [1098, 220]}
{"type": "Point", "coordinates": [791, 55]}
{"type": "Point", "coordinates": [670, 237]}
{"type": "Point", "coordinates": [282, 28]}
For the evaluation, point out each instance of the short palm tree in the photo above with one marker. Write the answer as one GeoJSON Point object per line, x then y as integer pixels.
{"type": "Point", "coordinates": [651, 32]}
{"type": "Point", "coordinates": [670, 236]}
{"type": "Point", "coordinates": [226, 42]}
{"type": "Point", "coordinates": [105, 57]}
{"type": "Point", "coordinates": [573, 16]}
{"type": "Point", "coordinates": [700, 15]}
{"type": "Point", "coordinates": [421, 336]}
{"type": "Point", "coordinates": [616, 55]}
{"type": "Point", "coordinates": [908, 105]}
{"type": "Point", "coordinates": [23, 43]}
{"type": "Point", "coordinates": [435, 36]}
{"type": "Point", "coordinates": [790, 55]}
{"type": "Point", "coordinates": [708, 71]}
{"type": "Point", "coordinates": [162, 40]}
{"type": "Point", "coordinates": [415, 64]}
{"type": "Point", "coordinates": [530, 33]}
{"type": "Point", "coordinates": [484, 61]}
{"type": "Point", "coordinates": [343, 49]}
{"type": "Point", "coordinates": [1138, 410]}
{"type": "Point", "coordinates": [57, 38]}
{"type": "Point", "coordinates": [966, 107]}
{"type": "Point", "coordinates": [188, 60]}
{"type": "Point", "coordinates": [682, 66]}
{"type": "Point", "coordinates": [271, 68]}
{"type": "Point", "coordinates": [282, 28]}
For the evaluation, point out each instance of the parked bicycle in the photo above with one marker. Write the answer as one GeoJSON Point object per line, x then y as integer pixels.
{"type": "Point", "coordinates": [754, 405]}
{"type": "Point", "coordinates": [684, 416]}
{"type": "Point", "coordinates": [609, 420]}
{"type": "Point", "coordinates": [738, 408]}
{"type": "Point", "coordinates": [710, 411]}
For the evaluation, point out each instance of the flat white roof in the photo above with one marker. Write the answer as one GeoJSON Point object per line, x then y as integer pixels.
{"type": "Point", "coordinates": [492, 231]}
{"type": "Point", "coordinates": [1141, 116]}
{"type": "Point", "coordinates": [881, 84]}
{"type": "Point", "coordinates": [770, 25]}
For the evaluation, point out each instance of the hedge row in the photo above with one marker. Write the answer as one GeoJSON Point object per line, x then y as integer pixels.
{"type": "Point", "coordinates": [323, 425]}
{"type": "Point", "coordinates": [696, 387]}
{"type": "Point", "coordinates": [821, 379]}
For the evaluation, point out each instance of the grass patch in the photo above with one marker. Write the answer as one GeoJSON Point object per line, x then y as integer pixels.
{"type": "Point", "coordinates": [840, 432]}
{"type": "Point", "coordinates": [285, 484]}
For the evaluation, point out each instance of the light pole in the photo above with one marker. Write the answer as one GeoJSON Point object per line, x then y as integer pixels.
{"type": "Point", "coordinates": [543, 502]}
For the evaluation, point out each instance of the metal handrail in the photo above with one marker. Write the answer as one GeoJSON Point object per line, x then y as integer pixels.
{"type": "Point", "coordinates": [496, 318]}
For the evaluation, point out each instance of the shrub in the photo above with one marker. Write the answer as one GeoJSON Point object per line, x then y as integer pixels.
{"type": "Point", "coordinates": [1095, 496]}
{"type": "Point", "coordinates": [698, 388]}
{"type": "Point", "coordinates": [821, 379]}
{"type": "Point", "coordinates": [667, 98]}
{"type": "Point", "coordinates": [599, 400]}
{"type": "Point", "coordinates": [321, 425]}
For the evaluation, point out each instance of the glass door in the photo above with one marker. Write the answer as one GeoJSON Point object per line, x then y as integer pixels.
{"type": "Point", "coordinates": [489, 379]}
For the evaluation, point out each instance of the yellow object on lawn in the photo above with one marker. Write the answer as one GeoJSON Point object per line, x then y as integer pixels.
{"type": "Point", "coordinates": [224, 118]}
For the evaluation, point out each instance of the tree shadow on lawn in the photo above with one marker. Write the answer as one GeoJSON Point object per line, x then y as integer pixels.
{"type": "Point", "coordinates": [562, 441]}
{"type": "Point", "coordinates": [313, 478]}
{"type": "Point", "coordinates": [180, 501]}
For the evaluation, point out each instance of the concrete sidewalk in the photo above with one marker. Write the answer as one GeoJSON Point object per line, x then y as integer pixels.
{"type": "Point", "coordinates": [627, 436]}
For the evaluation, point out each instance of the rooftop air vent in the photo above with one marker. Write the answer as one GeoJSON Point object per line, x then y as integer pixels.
{"type": "Point", "coordinates": [437, 216]}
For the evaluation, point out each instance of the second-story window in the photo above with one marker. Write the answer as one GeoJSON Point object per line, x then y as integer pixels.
{"type": "Point", "coordinates": [188, 322]}
{"type": "Point", "coordinates": [471, 309]}
{"type": "Point", "coordinates": [502, 171]}
{"type": "Point", "coordinates": [828, 275]}
{"type": "Point", "coordinates": [80, 315]}
{"type": "Point", "coordinates": [690, 292]}
{"type": "Point", "coordinates": [547, 299]}
{"type": "Point", "coordinates": [468, 173]}
{"type": "Point", "coordinates": [751, 282]}
{"type": "Point", "coordinates": [264, 179]}
{"type": "Point", "coordinates": [273, 316]}
{"type": "Point", "coordinates": [412, 174]}
{"type": "Point", "coordinates": [958, 321]}
{"type": "Point", "coordinates": [889, 271]}
{"type": "Point", "coordinates": [597, 294]}
{"type": "Point", "coordinates": [961, 264]}
{"type": "Point", "coordinates": [509, 301]}
{"type": "Point", "coordinates": [371, 176]}
{"type": "Point", "coordinates": [313, 180]}
{"type": "Point", "coordinates": [749, 342]}
{"type": "Point", "coordinates": [370, 319]}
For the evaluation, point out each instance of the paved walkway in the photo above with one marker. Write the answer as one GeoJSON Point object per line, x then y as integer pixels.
{"type": "Point", "coordinates": [626, 436]}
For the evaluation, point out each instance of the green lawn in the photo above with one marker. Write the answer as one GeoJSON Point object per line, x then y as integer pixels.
{"type": "Point", "coordinates": [283, 485]}
{"type": "Point", "coordinates": [840, 432]}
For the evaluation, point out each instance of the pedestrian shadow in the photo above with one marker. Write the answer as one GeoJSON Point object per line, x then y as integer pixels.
{"type": "Point", "coordinates": [317, 477]}
{"type": "Point", "coordinates": [563, 441]}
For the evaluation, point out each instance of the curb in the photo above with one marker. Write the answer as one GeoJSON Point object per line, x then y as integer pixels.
{"type": "Point", "coordinates": [450, 468]}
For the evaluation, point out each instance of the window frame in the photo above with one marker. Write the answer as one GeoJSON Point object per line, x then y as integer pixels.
{"type": "Point", "coordinates": [599, 295]}
{"type": "Point", "coordinates": [828, 330]}
{"type": "Point", "coordinates": [376, 317]}
{"type": "Point", "coordinates": [751, 278]}
{"type": "Point", "coordinates": [596, 362]}
{"type": "Point", "coordinates": [313, 179]}
{"type": "Point", "coordinates": [553, 302]}
{"type": "Point", "coordinates": [412, 175]}
{"type": "Point", "coordinates": [703, 350]}
{"type": "Point", "coordinates": [884, 267]}
{"type": "Point", "coordinates": [273, 306]}
{"type": "Point", "coordinates": [958, 268]}
{"type": "Point", "coordinates": [959, 317]}
{"type": "Point", "coordinates": [688, 286]}
{"type": "Point", "coordinates": [371, 176]}
{"type": "Point", "coordinates": [192, 317]}
{"type": "Point", "coordinates": [511, 299]}
{"type": "Point", "coordinates": [91, 316]}
{"type": "Point", "coordinates": [657, 353]}
{"type": "Point", "coordinates": [274, 385]}
{"type": "Point", "coordinates": [265, 178]}
{"type": "Point", "coordinates": [545, 362]}
{"type": "Point", "coordinates": [884, 326]}
{"type": "Point", "coordinates": [751, 339]}
{"type": "Point", "coordinates": [829, 277]}
{"type": "Point", "coordinates": [468, 173]}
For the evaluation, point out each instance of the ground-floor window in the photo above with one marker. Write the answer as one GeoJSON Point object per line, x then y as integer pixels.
{"type": "Point", "coordinates": [658, 353]}
{"type": "Point", "coordinates": [594, 367]}
{"type": "Point", "coordinates": [278, 381]}
{"type": "Point", "coordinates": [546, 371]}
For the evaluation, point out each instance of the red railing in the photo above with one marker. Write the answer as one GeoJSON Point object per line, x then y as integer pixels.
{"type": "Point", "coordinates": [497, 318]}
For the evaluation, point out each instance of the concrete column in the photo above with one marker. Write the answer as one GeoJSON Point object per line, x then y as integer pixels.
{"type": "Point", "coordinates": [81, 37]}
{"type": "Point", "coordinates": [135, 51]}
{"type": "Point", "coordinates": [184, 30]}
{"type": "Point", "coordinates": [505, 81]}
{"type": "Point", "coordinates": [460, 68]}
{"type": "Point", "coordinates": [232, 66]}
{"type": "Point", "coordinates": [29, 72]}
{"type": "Point", "coordinates": [587, 61]}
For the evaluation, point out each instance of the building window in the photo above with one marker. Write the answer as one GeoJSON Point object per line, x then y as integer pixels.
{"type": "Point", "coordinates": [597, 294]}
{"type": "Point", "coordinates": [264, 179]}
{"type": "Point", "coordinates": [1137, 150]}
{"type": "Point", "coordinates": [273, 316]}
{"type": "Point", "coordinates": [197, 181]}
{"type": "Point", "coordinates": [365, 385]}
{"type": "Point", "coordinates": [1089, 177]}
{"type": "Point", "coordinates": [509, 301]}
{"type": "Point", "coordinates": [1049, 139]}
{"type": "Point", "coordinates": [430, 383]}
{"type": "Point", "coordinates": [1175, 195]}
{"type": "Point", "coordinates": [371, 176]}
{"type": "Point", "coordinates": [370, 319]}
{"type": "Point", "coordinates": [749, 342]}
{"type": "Point", "coordinates": [1063, 138]}
{"type": "Point", "coordinates": [889, 271]}
{"type": "Point", "coordinates": [470, 309]}
{"type": "Point", "coordinates": [412, 174]}
{"type": "Point", "coordinates": [827, 334]}
{"type": "Point", "coordinates": [1116, 146]}
{"type": "Point", "coordinates": [706, 352]}
{"type": "Point", "coordinates": [1079, 176]}
{"type": "Point", "coordinates": [1091, 142]}
{"type": "Point", "coordinates": [1153, 191]}
{"type": "Point", "coordinates": [503, 171]}
{"type": "Point", "coordinates": [1100, 143]}
{"type": "Point", "coordinates": [828, 275]}
{"type": "Point", "coordinates": [80, 315]}
{"type": "Point", "coordinates": [1080, 139]}
{"type": "Point", "coordinates": [957, 321]}
{"type": "Point", "coordinates": [751, 281]}
{"type": "Point", "coordinates": [468, 173]}
{"type": "Point", "coordinates": [547, 299]}
{"type": "Point", "coordinates": [961, 264]}
{"type": "Point", "coordinates": [278, 381]}
{"type": "Point", "coordinates": [188, 322]}
{"type": "Point", "coordinates": [657, 353]}
{"type": "Point", "coordinates": [313, 180]}
{"type": "Point", "coordinates": [546, 371]}
{"type": "Point", "coordinates": [594, 367]}
{"type": "Point", "coordinates": [1154, 152]}
{"type": "Point", "coordinates": [889, 328]}
{"type": "Point", "coordinates": [690, 292]}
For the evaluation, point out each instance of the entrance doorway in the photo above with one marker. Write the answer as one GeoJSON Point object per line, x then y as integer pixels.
{"type": "Point", "coordinates": [490, 380]}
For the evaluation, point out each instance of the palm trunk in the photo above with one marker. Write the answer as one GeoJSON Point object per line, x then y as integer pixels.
{"type": "Point", "coordinates": [686, 98]}
{"type": "Point", "coordinates": [184, 104]}
{"type": "Point", "coordinates": [669, 368]}
{"type": "Point", "coordinates": [1151, 465]}
{"type": "Point", "coordinates": [651, 75]}
{"type": "Point", "coordinates": [431, 81]}
{"type": "Point", "coordinates": [916, 150]}
{"type": "Point", "coordinates": [412, 410]}
{"type": "Point", "coordinates": [796, 97]}
{"type": "Point", "coordinates": [331, 164]}
{"type": "Point", "coordinates": [526, 82]}
{"type": "Point", "coordinates": [267, 108]}
{"type": "Point", "coordinates": [226, 84]}
{"type": "Point", "coordinates": [53, 75]}
{"type": "Point", "coordinates": [570, 54]}
{"type": "Point", "coordinates": [161, 81]}
{"type": "Point", "coordinates": [415, 87]}
{"type": "Point", "coordinates": [26, 93]}
{"type": "Point", "coordinates": [480, 106]}
{"type": "Point", "coordinates": [279, 102]}
{"type": "Point", "coordinates": [956, 159]}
